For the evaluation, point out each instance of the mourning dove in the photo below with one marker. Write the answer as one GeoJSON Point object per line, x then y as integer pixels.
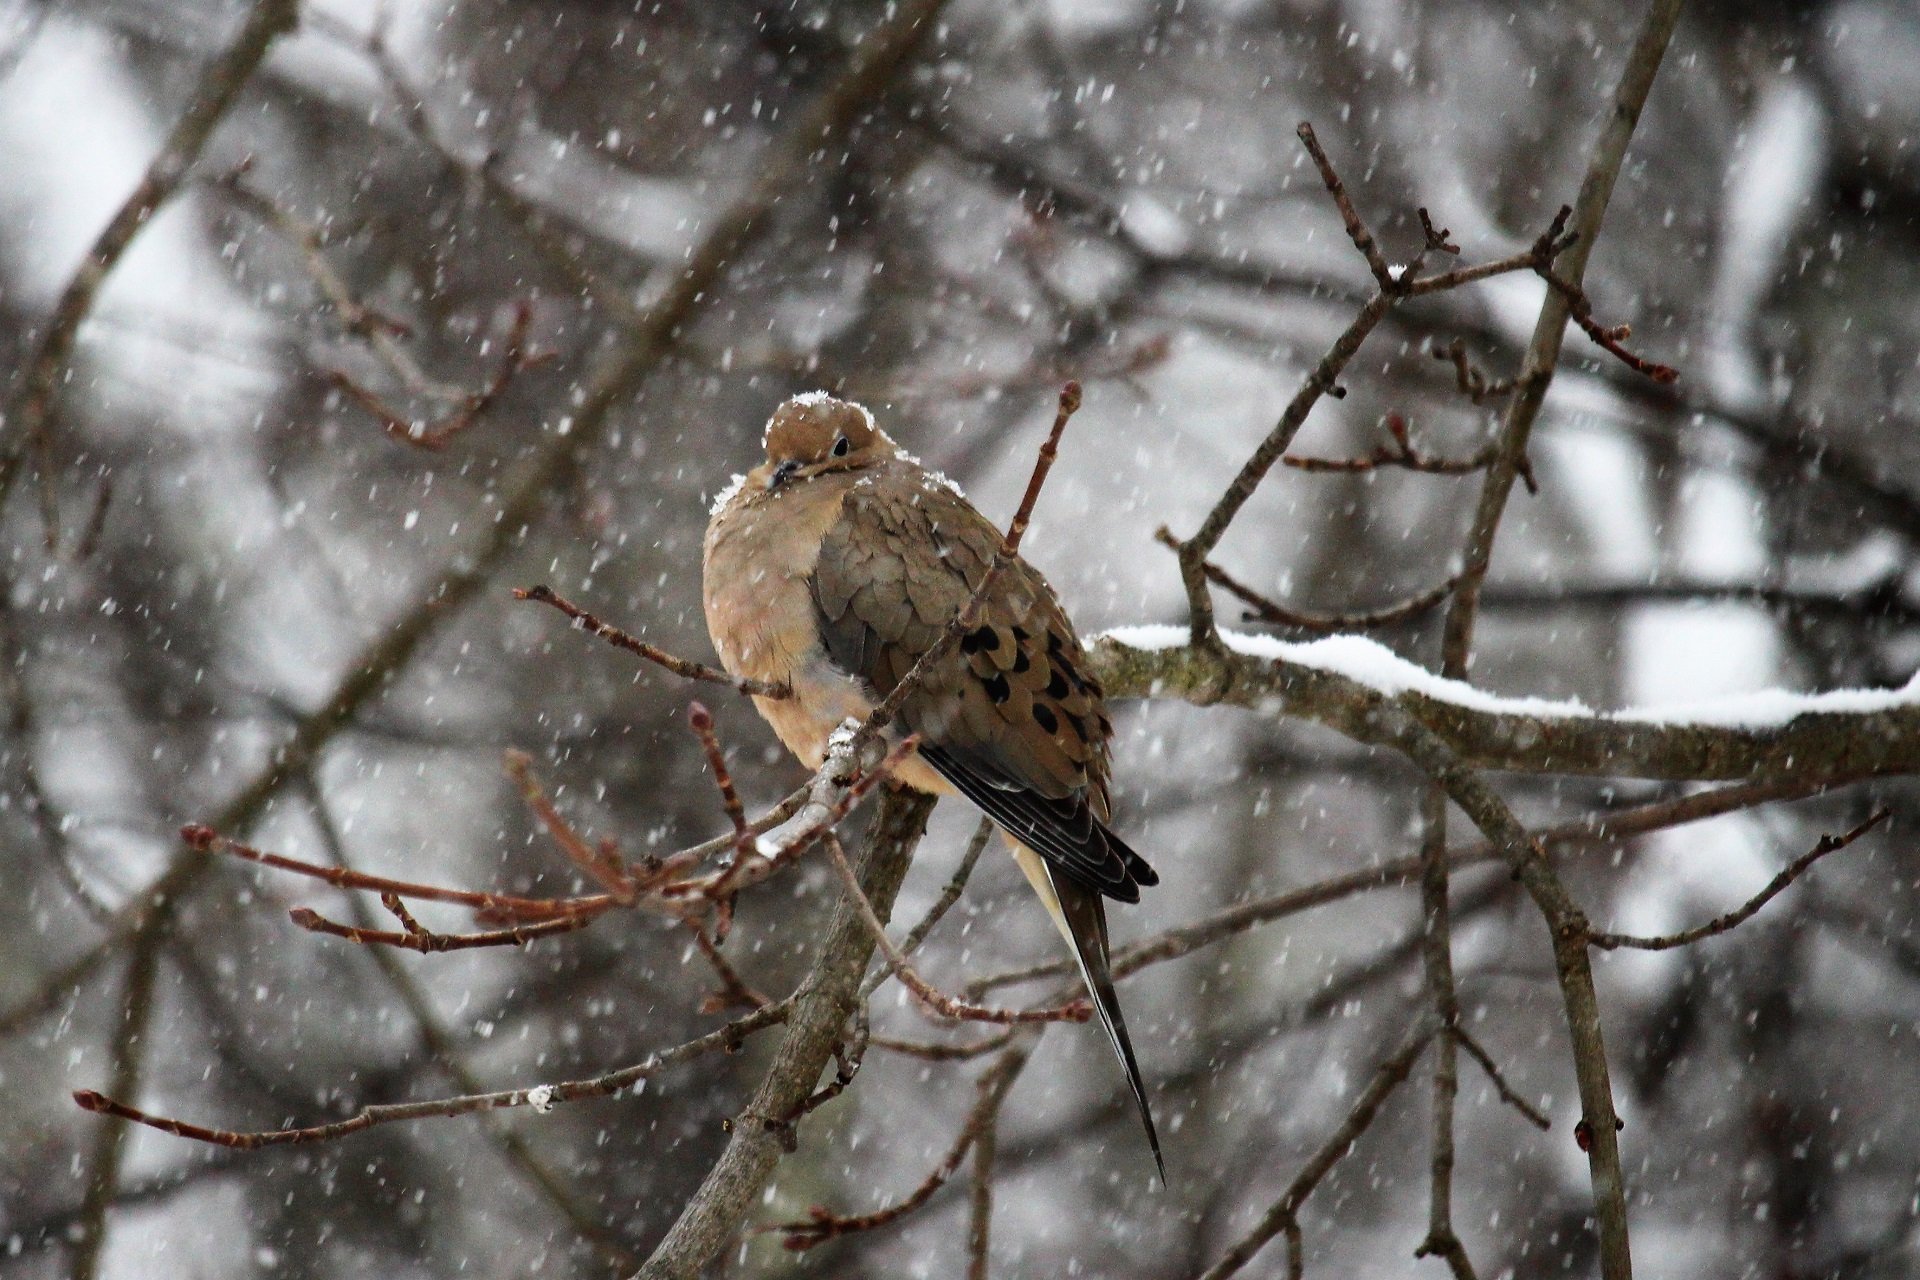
{"type": "Point", "coordinates": [832, 567]}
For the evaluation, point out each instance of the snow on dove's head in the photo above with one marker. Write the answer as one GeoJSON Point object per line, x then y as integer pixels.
{"type": "Point", "coordinates": [815, 433]}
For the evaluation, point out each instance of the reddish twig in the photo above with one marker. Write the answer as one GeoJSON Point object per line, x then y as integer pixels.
{"type": "Point", "coordinates": [1608, 339]}
{"type": "Point", "coordinates": [1746, 910]}
{"type": "Point", "coordinates": [506, 905]}
{"type": "Point", "coordinates": [700, 720]}
{"type": "Point", "coordinates": [539, 1097]}
{"type": "Point", "coordinates": [756, 866]}
{"type": "Point", "coordinates": [969, 615]}
{"type": "Point", "coordinates": [930, 996]}
{"type": "Point", "coordinates": [1404, 454]}
{"type": "Point", "coordinates": [602, 863]}
{"type": "Point", "coordinates": [956, 885]}
{"type": "Point", "coordinates": [734, 990]}
{"type": "Point", "coordinates": [822, 1225]}
{"type": "Point", "coordinates": [928, 1052]}
{"type": "Point", "coordinates": [515, 359]}
{"type": "Point", "coordinates": [1473, 383]}
{"type": "Point", "coordinates": [848, 1057]}
{"type": "Point", "coordinates": [1262, 608]}
{"type": "Point", "coordinates": [620, 639]}
{"type": "Point", "coordinates": [415, 938]}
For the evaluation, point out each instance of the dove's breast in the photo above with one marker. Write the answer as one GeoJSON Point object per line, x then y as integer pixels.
{"type": "Point", "coordinates": [760, 552]}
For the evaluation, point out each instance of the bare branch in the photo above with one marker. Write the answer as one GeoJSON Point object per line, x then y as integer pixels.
{"type": "Point", "coordinates": [1284, 1215]}
{"type": "Point", "coordinates": [1478, 1053]}
{"type": "Point", "coordinates": [1746, 910]}
{"type": "Point", "coordinates": [1593, 831]}
{"type": "Point", "coordinates": [414, 938]}
{"type": "Point", "coordinates": [214, 95]}
{"type": "Point", "coordinates": [1264, 609]}
{"type": "Point", "coordinates": [1391, 287]}
{"type": "Point", "coordinates": [938, 1001]}
{"type": "Point", "coordinates": [826, 999]}
{"type": "Point", "coordinates": [1819, 746]}
{"type": "Point", "coordinates": [990, 1091]}
{"type": "Point", "coordinates": [539, 1097]}
{"type": "Point", "coordinates": [633, 644]}
{"type": "Point", "coordinates": [943, 904]}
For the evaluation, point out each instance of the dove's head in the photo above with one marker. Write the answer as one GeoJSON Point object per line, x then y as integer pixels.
{"type": "Point", "coordinates": [814, 434]}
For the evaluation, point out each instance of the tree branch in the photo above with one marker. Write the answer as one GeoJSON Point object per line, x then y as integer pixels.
{"type": "Point", "coordinates": [1283, 1217]}
{"type": "Point", "coordinates": [214, 96]}
{"type": "Point", "coordinates": [1824, 746]}
{"type": "Point", "coordinates": [827, 997]}
{"type": "Point", "coordinates": [1746, 910]}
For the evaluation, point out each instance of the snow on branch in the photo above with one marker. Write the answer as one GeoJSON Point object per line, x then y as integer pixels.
{"type": "Point", "coordinates": [1340, 680]}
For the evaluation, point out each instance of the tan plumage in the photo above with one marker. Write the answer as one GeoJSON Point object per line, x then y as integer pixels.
{"type": "Point", "coordinates": [838, 561]}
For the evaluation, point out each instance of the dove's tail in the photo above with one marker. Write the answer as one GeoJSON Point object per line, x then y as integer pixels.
{"type": "Point", "coordinates": [1081, 917]}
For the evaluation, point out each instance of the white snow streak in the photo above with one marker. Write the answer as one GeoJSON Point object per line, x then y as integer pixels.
{"type": "Point", "coordinates": [726, 495]}
{"type": "Point", "coordinates": [1385, 671]}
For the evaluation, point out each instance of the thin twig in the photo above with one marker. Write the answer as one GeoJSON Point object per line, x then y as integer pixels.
{"type": "Point", "coordinates": [1607, 339]}
{"type": "Point", "coordinates": [700, 720]}
{"type": "Point", "coordinates": [503, 905]}
{"type": "Point", "coordinates": [1384, 275]}
{"type": "Point", "coordinates": [734, 990]}
{"type": "Point", "coordinates": [990, 1091]}
{"type": "Point", "coordinates": [969, 615]}
{"type": "Point", "coordinates": [943, 904]}
{"type": "Point", "coordinates": [467, 406]}
{"type": "Point", "coordinates": [1284, 1216]}
{"type": "Point", "coordinates": [939, 1001]}
{"type": "Point", "coordinates": [836, 798]}
{"type": "Point", "coordinates": [215, 92]}
{"type": "Point", "coordinates": [1746, 910]}
{"type": "Point", "coordinates": [1478, 1053]}
{"type": "Point", "coordinates": [1262, 608]}
{"type": "Point", "coordinates": [442, 1047]}
{"type": "Point", "coordinates": [1391, 288]}
{"type": "Point", "coordinates": [108, 1147]}
{"type": "Point", "coordinates": [632, 644]}
{"type": "Point", "coordinates": [538, 1097]}
{"type": "Point", "coordinates": [1597, 831]}
{"type": "Point", "coordinates": [928, 1052]}
{"type": "Point", "coordinates": [413, 938]}
{"type": "Point", "coordinates": [1474, 384]}
{"type": "Point", "coordinates": [601, 863]}
{"type": "Point", "coordinates": [1403, 454]}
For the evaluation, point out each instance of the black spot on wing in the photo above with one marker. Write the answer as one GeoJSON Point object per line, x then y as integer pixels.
{"type": "Point", "coordinates": [1063, 831]}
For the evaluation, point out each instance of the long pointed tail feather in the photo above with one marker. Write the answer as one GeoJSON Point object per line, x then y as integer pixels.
{"type": "Point", "coordinates": [1083, 919]}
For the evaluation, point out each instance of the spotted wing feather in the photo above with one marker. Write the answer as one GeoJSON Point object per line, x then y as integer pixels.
{"type": "Point", "coordinates": [1012, 717]}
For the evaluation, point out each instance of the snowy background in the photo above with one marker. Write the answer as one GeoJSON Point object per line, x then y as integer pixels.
{"type": "Point", "coordinates": [1110, 191]}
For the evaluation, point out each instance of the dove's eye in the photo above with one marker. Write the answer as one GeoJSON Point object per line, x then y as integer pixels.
{"type": "Point", "coordinates": [841, 446]}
